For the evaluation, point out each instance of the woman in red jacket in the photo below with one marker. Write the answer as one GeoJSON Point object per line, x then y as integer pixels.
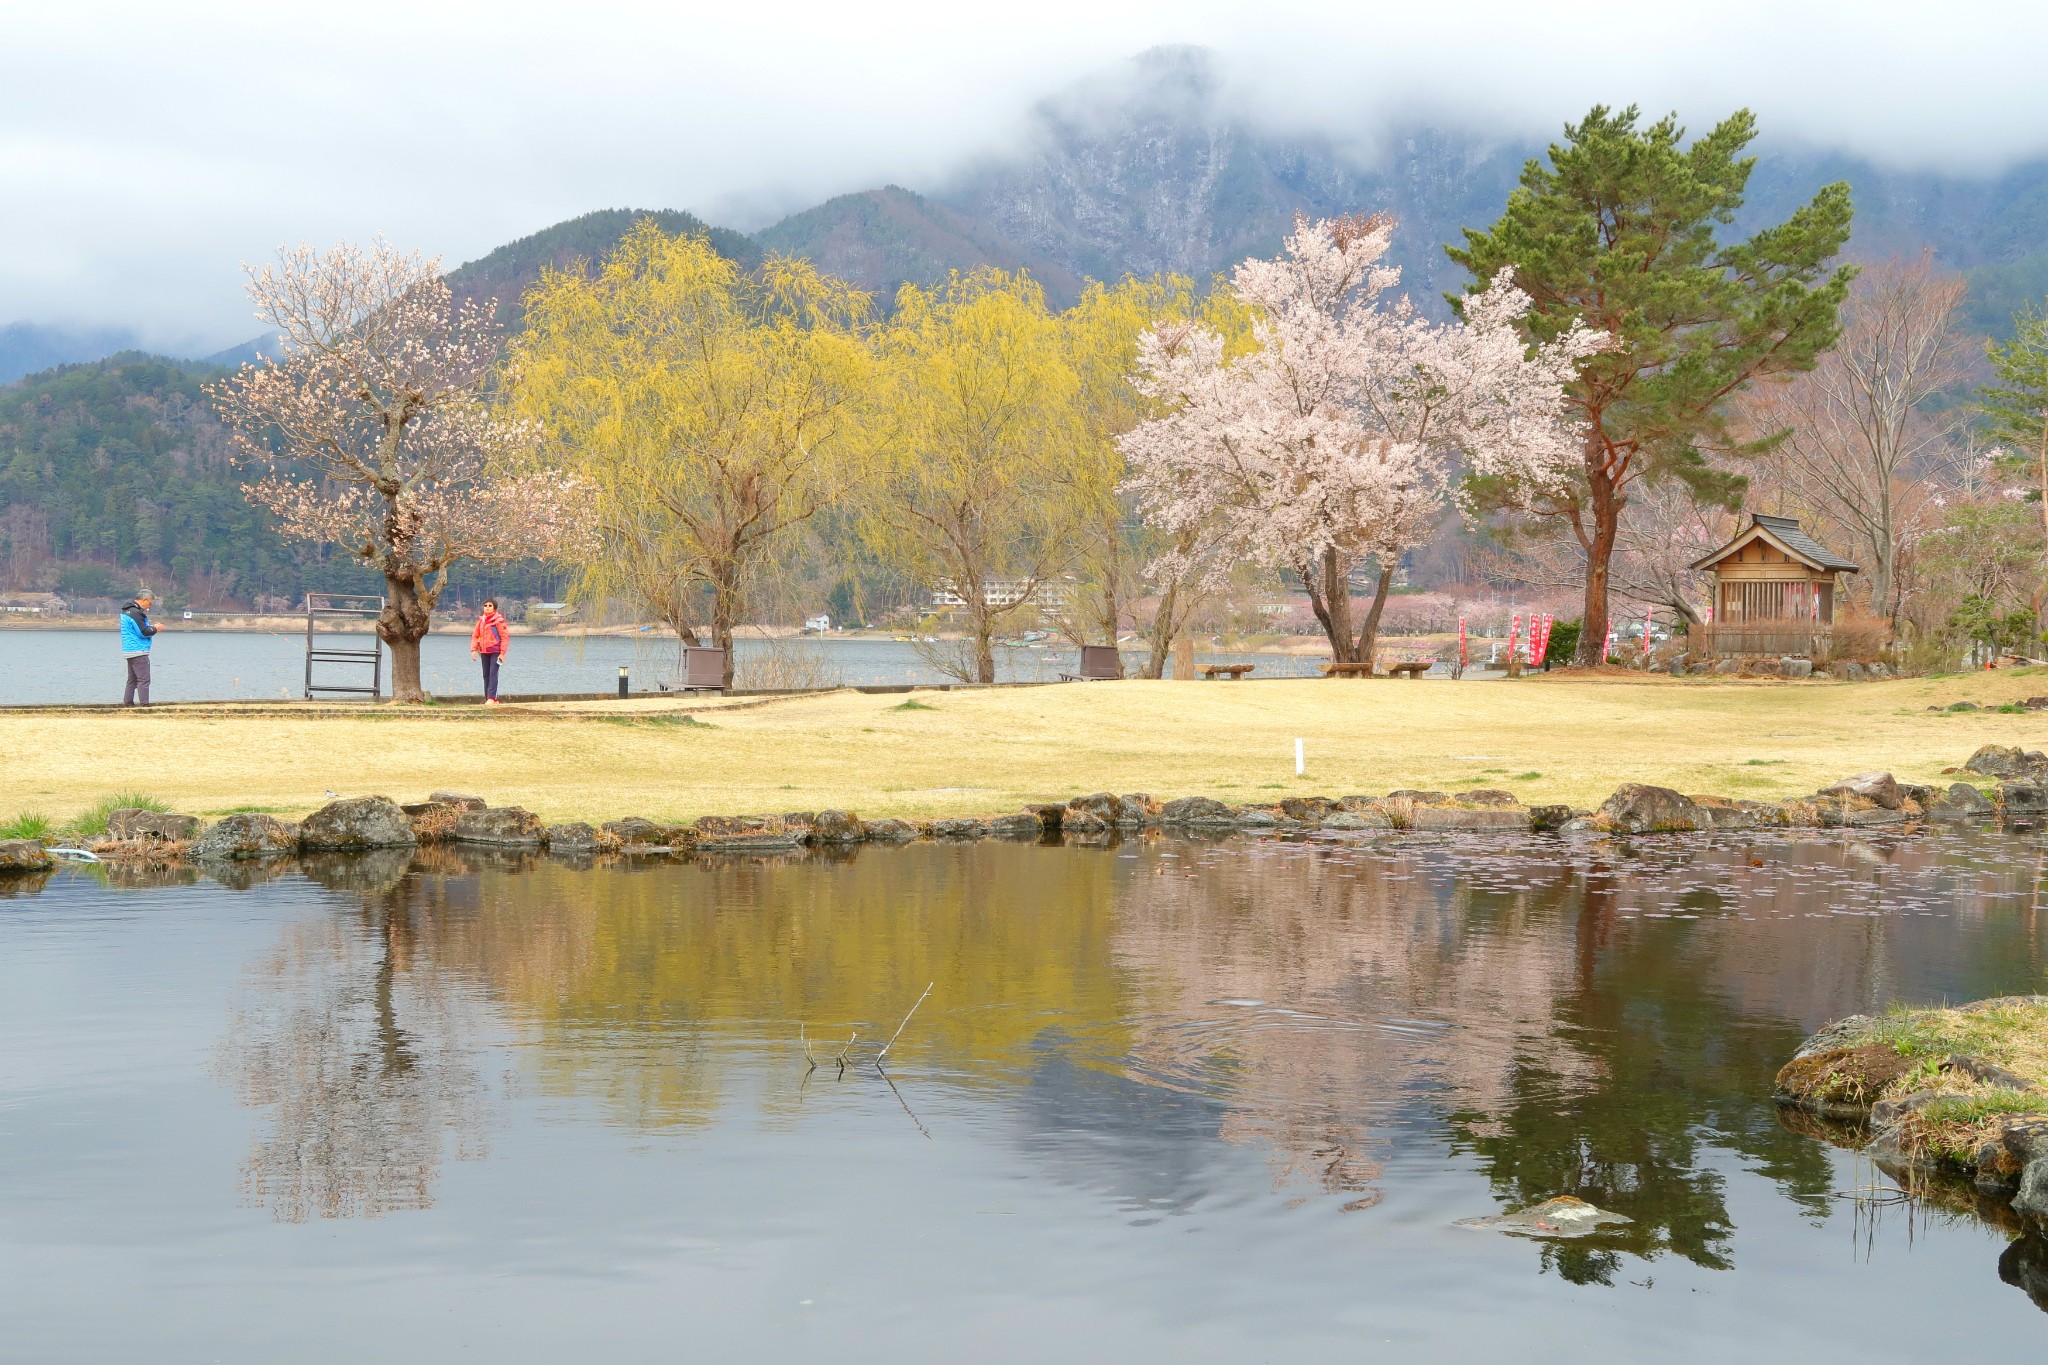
{"type": "Point", "coordinates": [487, 642]}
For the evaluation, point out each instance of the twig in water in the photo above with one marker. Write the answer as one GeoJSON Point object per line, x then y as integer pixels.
{"type": "Point", "coordinates": [899, 1028]}
{"type": "Point", "coordinates": [906, 1105]}
{"type": "Point", "coordinates": [841, 1058]}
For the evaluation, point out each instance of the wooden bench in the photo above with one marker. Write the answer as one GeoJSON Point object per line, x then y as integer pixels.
{"type": "Point", "coordinates": [1232, 672]}
{"type": "Point", "coordinates": [1407, 668]}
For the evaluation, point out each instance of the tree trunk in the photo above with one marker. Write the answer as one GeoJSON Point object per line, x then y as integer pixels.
{"type": "Point", "coordinates": [984, 631]}
{"type": "Point", "coordinates": [1369, 633]}
{"type": "Point", "coordinates": [1331, 603]}
{"type": "Point", "coordinates": [1605, 505]}
{"type": "Point", "coordinates": [1112, 605]}
{"type": "Point", "coordinates": [402, 624]}
{"type": "Point", "coordinates": [725, 607]}
{"type": "Point", "coordinates": [1162, 632]}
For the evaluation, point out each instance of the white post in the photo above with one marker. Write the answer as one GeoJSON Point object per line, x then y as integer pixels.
{"type": "Point", "coordinates": [1299, 767]}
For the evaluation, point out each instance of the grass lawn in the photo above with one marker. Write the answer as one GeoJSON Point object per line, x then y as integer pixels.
{"type": "Point", "coordinates": [984, 752]}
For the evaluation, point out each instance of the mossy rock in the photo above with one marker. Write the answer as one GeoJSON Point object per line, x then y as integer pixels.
{"type": "Point", "coordinates": [1839, 1082]}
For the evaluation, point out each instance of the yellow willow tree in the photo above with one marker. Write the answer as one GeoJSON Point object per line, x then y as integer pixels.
{"type": "Point", "coordinates": [1100, 337]}
{"type": "Point", "coordinates": [971, 487]}
{"type": "Point", "coordinates": [709, 404]}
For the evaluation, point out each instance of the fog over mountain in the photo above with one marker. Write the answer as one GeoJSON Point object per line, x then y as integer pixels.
{"type": "Point", "coordinates": [898, 160]}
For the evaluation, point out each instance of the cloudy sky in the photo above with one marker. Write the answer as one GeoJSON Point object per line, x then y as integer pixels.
{"type": "Point", "coordinates": [147, 149]}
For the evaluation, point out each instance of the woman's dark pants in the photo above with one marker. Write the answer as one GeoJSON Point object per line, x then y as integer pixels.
{"type": "Point", "coordinates": [490, 677]}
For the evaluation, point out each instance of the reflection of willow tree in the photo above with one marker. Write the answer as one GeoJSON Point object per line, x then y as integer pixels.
{"type": "Point", "coordinates": [646, 982]}
{"type": "Point", "coordinates": [1679, 1069]}
{"type": "Point", "coordinates": [354, 1043]}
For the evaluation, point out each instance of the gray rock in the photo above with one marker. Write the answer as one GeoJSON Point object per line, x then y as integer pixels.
{"type": "Point", "coordinates": [636, 832]}
{"type": "Point", "coordinates": [745, 834]}
{"type": "Point", "coordinates": [1960, 802]}
{"type": "Point", "coordinates": [1358, 803]}
{"type": "Point", "coordinates": [23, 855]}
{"type": "Point", "coordinates": [574, 837]}
{"type": "Point", "coordinates": [1022, 825]}
{"type": "Point", "coordinates": [1117, 812]}
{"type": "Point", "coordinates": [1718, 812]}
{"type": "Point", "coordinates": [1564, 1216]}
{"type": "Point", "coordinates": [2033, 1192]}
{"type": "Point", "coordinates": [1728, 668]}
{"type": "Point", "coordinates": [357, 822]}
{"type": "Point", "coordinates": [510, 825]}
{"type": "Point", "coordinates": [1470, 820]}
{"type": "Point", "coordinates": [1851, 1031]}
{"type": "Point", "coordinates": [1196, 810]}
{"type": "Point", "coordinates": [1418, 797]}
{"type": "Point", "coordinates": [890, 831]}
{"type": "Point", "coordinates": [1310, 810]}
{"type": "Point", "coordinates": [236, 838]}
{"type": "Point", "coordinates": [1581, 824]}
{"type": "Point", "coordinates": [1050, 815]}
{"type": "Point", "coordinates": [1138, 809]}
{"type": "Point", "coordinates": [1085, 822]}
{"type": "Point", "coordinates": [2022, 800]}
{"type": "Point", "coordinates": [1878, 788]}
{"type": "Point", "coordinates": [1257, 819]}
{"type": "Point", "coordinates": [1636, 808]}
{"type": "Point", "coordinates": [1550, 819]}
{"type": "Point", "coordinates": [457, 800]}
{"type": "Point", "coordinates": [128, 822]}
{"type": "Point", "coordinates": [1488, 796]}
{"type": "Point", "coordinates": [1357, 819]}
{"type": "Point", "coordinates": [959, 829]}
{"type": "Point", "coordinates": [1676, 668]}
{"type": "Point", "coordinates": [837, 827]}
{"type": "Point", "coordinates": [1960, 706]}
{"type": "Point", "coordinates": [2010, 761]}
{"type": "Point", "coordinates": [1796, 668]}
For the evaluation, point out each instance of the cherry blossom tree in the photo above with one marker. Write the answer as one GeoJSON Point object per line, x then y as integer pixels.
{"type": "Point", "coordinates": [1331, 442]}
{"type": "Point", "coordinates": [374, 431]}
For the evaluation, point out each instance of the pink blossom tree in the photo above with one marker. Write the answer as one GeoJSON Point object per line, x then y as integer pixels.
{"type": "Point", "coordinates": [1332, 441]}
{"type": "Point", "coordinates": [374, 431]}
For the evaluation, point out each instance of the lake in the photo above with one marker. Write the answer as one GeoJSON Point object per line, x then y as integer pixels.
{"type": "Point", "coordinates": [65, 666]}
{"type": "Point", "coordinates": [1167, 1100]}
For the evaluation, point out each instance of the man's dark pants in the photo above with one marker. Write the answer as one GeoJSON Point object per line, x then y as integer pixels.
{"type": "Point", "coordinates": [138, 682]}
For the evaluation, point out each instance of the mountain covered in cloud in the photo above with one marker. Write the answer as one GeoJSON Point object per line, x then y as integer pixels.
{"type": "Point", "coordinates": [1158, 165]}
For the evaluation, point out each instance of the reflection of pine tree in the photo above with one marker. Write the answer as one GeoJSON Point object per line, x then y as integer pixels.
{"type": "Point", "coordinates": [356, 1048]}
{"type": "Point", "coordinates": [1635, 1137]}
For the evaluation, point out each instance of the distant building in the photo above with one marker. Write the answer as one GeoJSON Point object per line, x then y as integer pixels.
{"type": "Point", "coordinates": [34, 604]}
{"type": "Point", "coordinates": [1051, 594]}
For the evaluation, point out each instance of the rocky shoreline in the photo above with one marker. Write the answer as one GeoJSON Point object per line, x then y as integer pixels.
{"type": "Point", "coordinates": [1910, 1090]}
{"type": "Point", "coordinates": [369, 822]}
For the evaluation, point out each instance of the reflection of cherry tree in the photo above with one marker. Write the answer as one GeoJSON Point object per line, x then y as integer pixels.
{"type": "Point", "coordinates": [357, 1048]}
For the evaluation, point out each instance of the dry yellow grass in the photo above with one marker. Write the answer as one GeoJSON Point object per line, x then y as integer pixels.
{"type": "Point", "coordinates": [982, 752]}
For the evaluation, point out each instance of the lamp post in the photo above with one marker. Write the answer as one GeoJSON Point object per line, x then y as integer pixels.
{"type": "Point", "coordinates": [622, 682]}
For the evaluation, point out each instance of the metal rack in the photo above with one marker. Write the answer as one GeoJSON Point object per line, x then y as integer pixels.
{"type": "Point", "coordinates": [343, 606]}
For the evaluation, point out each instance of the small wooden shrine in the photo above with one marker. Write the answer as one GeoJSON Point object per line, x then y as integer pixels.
{"type": "Point", "coordinates": [1774, 592]}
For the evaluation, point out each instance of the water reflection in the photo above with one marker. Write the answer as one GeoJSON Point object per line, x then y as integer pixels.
{"type": "Point", "coordinates": [1598, 1020]}
{"type": "Point", "coordinates": [357, 1042]}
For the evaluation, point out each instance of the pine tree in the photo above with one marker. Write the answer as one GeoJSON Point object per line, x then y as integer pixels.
{"type": "Point", "coordinates": [1619, 232]}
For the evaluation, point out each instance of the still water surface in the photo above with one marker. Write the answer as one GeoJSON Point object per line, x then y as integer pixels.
{"type": "Point", "coordinates": [1167, 1100]}
{"type": "Point", "coordinates": [69, 666]}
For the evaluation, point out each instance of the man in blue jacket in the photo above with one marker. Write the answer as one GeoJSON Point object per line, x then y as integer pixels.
{"type": "Point", "coordinates": [136, 632]}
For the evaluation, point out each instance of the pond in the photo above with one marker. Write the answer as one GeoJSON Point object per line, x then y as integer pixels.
{"type": "Point", "coordinates": [68, 666]}
{"type": "Point", "coordinates": [1166, 1099]}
